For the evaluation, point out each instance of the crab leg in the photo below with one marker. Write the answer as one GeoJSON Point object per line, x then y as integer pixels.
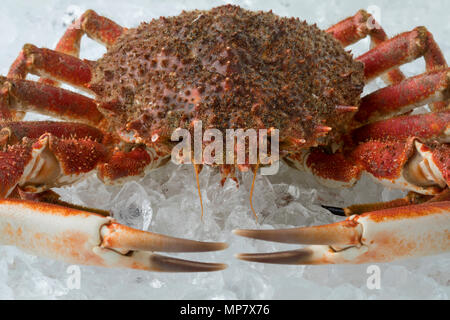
{"type": "Point", "coordinates": [15, 140]}
{"type": "Point", "coordinates": [359, 26]}
{"type": "Point", "coordinates": [52, 64]}
{"type": "Point", "coordinates": [403, 97]}
{"type": "Point", "coordinates": [392, 151]}
{"type": "Point", "coordinates": [426, 127]}
{"type": "Point", "coordinates": [407, 165]}
{"type": "Point", "coordinates": [95, 27]}
{"type": "Point", "coordinates": [80, 237]}
{"type": "Point", "coordinates": [402, 49]}
{"type": "Point", "coordinates": [375, 237]}
{"type": "Point", "coordinates": [24, 95]}
{"type": "Point", "coordinates": [14, 132]}
{"type": "Point", "coordinates": [125, 165]}
{"type": "Point", "coordinates": [46, 163]}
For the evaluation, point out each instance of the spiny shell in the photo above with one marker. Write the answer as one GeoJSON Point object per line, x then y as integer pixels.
{"type": "Point", "coordinates": [230, 68]}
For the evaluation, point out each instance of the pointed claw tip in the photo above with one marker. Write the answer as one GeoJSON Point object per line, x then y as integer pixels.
{"type": "Point", "coordinates": [250, 257]}
{"type": "Point", "coordinates": [221, 246]}
{"type": "Point", "coordinates": [168, 264]}
{"type": "Point", "coordinates": [241, 256]}
{"type": "Point", "coordinates": [296, 257]}
{"type": "Point", "coordinates": [207, 246]}
{"type": "Point", "coordinates": [246, 233]}
{"type": "Point", "coordinates": [336, 211]}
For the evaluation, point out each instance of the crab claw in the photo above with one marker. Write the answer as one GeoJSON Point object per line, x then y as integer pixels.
{"type": "Point", "coordinates": [80, 237]}
{"type": "Point", "coordinates": [375, 237]}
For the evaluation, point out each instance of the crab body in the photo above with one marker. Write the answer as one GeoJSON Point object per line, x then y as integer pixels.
{"type": "Point", "coordinates": [227, 68]}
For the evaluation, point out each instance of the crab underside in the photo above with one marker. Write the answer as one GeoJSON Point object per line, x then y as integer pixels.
{"type": "Point", "coordinates": [227, 68]}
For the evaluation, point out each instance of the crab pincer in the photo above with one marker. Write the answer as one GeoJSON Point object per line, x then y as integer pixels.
{"type": "Point", "coordinates": [375, 237]}
{"type": "Point", "coordinates": [81, 237]}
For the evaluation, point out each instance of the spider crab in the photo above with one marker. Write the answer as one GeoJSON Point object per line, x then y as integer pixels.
{"type": "Point", "coordinates": [229, 68]}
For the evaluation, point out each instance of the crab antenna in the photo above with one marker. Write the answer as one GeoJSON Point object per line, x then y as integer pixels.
{"type": "Point", "coordinates": [252, 189]}
{"type": "Point", "coordinates": [196, 167]}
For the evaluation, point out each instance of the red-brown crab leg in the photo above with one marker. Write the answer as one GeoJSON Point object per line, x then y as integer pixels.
{"type": "Point", "coordinates": [393, 151]}
{"type": "Point", "coordinates": [122, 165]}
{"type": "Point", "coordinates": [376, 237]}
{"type": "Point", "coordinates": [402, 49]}
{"type": "Point", "coordinates": [356, 28]}
{"type": "Point", "coordinates": [24, 95]}
{"type": "Point", "coordinates": [51, 64]}
{"type": "Point", "coordinates": [38, 155]}
{"type": "Point", "coordinates": [18, 155]}
{"type": "Point", "coordinates": [80, 237]}
{"type": "Point", "coordinates": [14, 132]}
{"type": "Point", "coordinates": [430, 87]}
{"type": "Point", "coordinates": [425, 127]}
{"type": "Point", "coordinates": [408, 165]}
{"type": "Point", "coordinates": [36, 166]}
{"type": "Point", "coordinates": [114, 169]}
{"type": "Point", "coordinates": [95, 27]}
